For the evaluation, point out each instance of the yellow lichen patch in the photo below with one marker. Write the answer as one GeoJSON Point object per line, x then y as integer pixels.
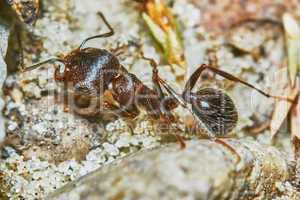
{"type": "Point", "coordinates": [163, 27]}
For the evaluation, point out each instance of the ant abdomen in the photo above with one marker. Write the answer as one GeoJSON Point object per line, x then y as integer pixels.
{"type": "Point", "coordinates": [215, 109]}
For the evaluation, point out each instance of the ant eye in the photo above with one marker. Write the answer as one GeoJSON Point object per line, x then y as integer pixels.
{"type": "Point", "coordinates": [204, 105]}
{"type": "Point", "coordinates": [84, 88]}
{"type": "Point", "coordinates": [215, 109]}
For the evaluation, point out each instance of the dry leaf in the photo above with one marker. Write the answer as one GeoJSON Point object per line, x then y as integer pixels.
{"type": "Point", "coordinates": [281, 110]}
{"type": "Point", "coordinates": [292, 34]}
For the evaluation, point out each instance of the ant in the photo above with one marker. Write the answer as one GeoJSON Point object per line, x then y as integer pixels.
{"type": "Point", "coordinates": [92, 72]}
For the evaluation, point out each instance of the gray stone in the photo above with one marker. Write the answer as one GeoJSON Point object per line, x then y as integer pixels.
{"type": "Point", "coordinates": [203, 170]}
{"type": "Point", "coordinates": [4, 34]}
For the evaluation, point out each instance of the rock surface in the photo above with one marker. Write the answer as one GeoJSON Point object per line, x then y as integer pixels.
{"type": "Point", "coordinates": [203, 170]}
{"type": "Point", "coordinates": [4, 34]}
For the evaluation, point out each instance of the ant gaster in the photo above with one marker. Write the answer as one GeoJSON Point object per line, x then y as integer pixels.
{"type": "Point", "coordinates": [93, 71]}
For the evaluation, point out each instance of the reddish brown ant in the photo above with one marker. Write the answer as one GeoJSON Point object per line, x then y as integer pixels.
{"type": "Point", "coordinates": [93, 71]}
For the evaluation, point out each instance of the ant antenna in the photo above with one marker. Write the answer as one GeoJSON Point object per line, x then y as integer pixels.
{"type": "Point", "coordinates": [56, 59]}
{"type": "Point", "coordinates": [108, 34]}
{"type": "Point", "coordinates": [37, 65]}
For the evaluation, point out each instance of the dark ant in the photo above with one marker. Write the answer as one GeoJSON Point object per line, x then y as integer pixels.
{"type": "Point", "coordinates": [92, 71]}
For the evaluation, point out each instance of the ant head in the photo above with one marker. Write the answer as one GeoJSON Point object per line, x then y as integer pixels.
{"type": "Point", "coordinates": [215, 109]}
{"type": "Point", "coordinates": [87, 70]}
{"type": "Point", "coordinates": [90, 68]}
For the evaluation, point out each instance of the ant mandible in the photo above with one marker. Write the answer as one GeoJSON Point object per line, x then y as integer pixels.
{"type": "Point", "coordinates": [93, 71]}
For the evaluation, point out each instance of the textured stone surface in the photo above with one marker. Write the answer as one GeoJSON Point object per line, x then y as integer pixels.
{"type": "Point", "coordinates": [4, 34]}
{"type": "Point", "coordinates": [204, 170]}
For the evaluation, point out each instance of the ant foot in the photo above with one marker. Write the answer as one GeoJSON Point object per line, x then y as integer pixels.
{"type": "Point", "coordinates": [66, 109]}
{"type": "Point", "coordinates": [180, 141]}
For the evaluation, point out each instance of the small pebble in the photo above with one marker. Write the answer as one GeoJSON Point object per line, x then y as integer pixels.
{"type": "Point", "coordinates": [123, 142]}
{"type": "Point", "coordinates": [32, 90]}
{"type": "Point", "coordinates": [111, 149]}
{"type": "Point", "coordinates": [39, 128]}
{"type": "Point", "coordinates": [17, 95]}
{"type": "Point", "coordinates": [12, 126]}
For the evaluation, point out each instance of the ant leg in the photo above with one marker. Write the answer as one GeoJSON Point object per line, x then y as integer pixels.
{"type": "Point", "coordinates": [157, 84]}
{"type": "Point", "coordinates": [173, 93]}
{"type": "Point", "coordinates": [119, 49]}
{"type": "Point", "coordinates": [66, 97]}
{"type": "Point", "coordinates": [180, 140]}
{"type": "Point", "coordinates": [66, 102]}
{"type": "Point", "coordinates": [171, 102]}
{"type": "Point", "coordinates": [108, 34]}
{"type": "Point", "coordinates": [126, 114]}
{"type": "Point", "coordinates": [155, 76]}
{"type": "Point", "coordinates": [195, 76]}
{"type": "Point", "coordinates": [230, 148]}
{"type": "Point", "coordinates": [123, 112]}
{"type": "Point", "coordinates": [167, 121]}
